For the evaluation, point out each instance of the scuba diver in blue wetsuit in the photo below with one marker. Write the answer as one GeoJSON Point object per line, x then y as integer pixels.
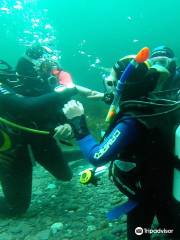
{"type": "Point", "coordinates": [140, 141]}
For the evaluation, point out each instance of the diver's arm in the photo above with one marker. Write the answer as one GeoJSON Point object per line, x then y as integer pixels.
{"type": "Point", "coordinates": [33, 106]}
{"type": "Point", "coordinates": [125, 133]}
{"type": "Point", "coordinates": [89, 93]}
{"type": "Point", "coordinates": [66, 80]}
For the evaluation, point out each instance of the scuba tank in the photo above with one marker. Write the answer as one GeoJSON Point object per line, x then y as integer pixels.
{"type": "Point", "coordinates": [176, 177]}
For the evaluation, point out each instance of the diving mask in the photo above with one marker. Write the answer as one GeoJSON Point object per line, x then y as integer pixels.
{"type": "Point", "coordinates": [110, 83]}
{"type": "Point", "coordinates": [163, 61]}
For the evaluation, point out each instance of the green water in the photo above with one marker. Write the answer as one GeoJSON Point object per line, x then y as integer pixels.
{"type": "Point", "coordinates": [88, 34]}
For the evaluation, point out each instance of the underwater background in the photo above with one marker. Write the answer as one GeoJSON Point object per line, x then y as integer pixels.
{"type": "Point", "coordinates": [88, 36]}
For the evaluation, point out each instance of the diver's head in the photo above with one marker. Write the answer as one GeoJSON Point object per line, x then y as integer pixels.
{"type": "Point", "coordinates": [165, 57]}
{"type": "Point", "coordinates": [139, 82]}
{"type": "Point", "coordinates": [35, 51]}
{"type": "Point", "coordinates": [110, 81]}
{"type": "Point", "coordinates": [40, 57]}
{"type": "Point", "coordinates": [162, 51]}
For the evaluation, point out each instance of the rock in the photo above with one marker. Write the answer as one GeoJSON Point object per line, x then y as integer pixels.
{"type": "Point", "coordinates": [56, 227]}
{"type": "Point", "coordinates": [4, 223]}
{"type": "Point", "coordinates": [51, 186]}
{"type": "Point", "coordinates": [53, 196]}
{"type": "Point", "coordinates": [72, 207]}
{"type": "Point", "coordinates": [38, 192]}
{"type": "Point", "coordinates": [91, 228]}
{"type": "Point", "coordinates": [117, 231]}
{"type": "Point", "coordinates": [26, 229]}
{"type": "Point", "coordinates": [103, 224]}
{"type": "Point", "coordinates": [110, 224]}
{"type": "Point", "coordinates": [124, 218]}
{"type": "Point", "coordinates": [91, 219]}
{"type": "Point", "coordinates": [43, 235]}
{"type": "Point", "coordinates": [6, 236]}
{"type": "Point", "coordinates": [123, 227]}
{"type": "Point", "coordinates": [107, 237]}
{"type": "Point", "coordinates": [69, 234]}
{"type": "Point", "coordinates": [33, 213]}
{"type": "Point", "coordinates": [16, 229]}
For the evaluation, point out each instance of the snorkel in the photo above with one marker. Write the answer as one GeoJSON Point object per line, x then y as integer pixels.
{"type": "Point", "coordinates": [142, 56]}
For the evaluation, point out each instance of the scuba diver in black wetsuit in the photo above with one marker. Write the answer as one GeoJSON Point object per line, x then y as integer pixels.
{"type": "Point", "coordinates": [140, 142]}
{"type": "Point", "coordinates": [28, 123]}
{"type": "Point", "coordinates": [36, 77]}
{"type": "Point", "coordinates": [18, 129]}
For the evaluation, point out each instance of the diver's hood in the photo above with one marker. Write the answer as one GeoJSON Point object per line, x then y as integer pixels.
{"type": "Point", "coordinates": [140, 82]}
{"type": "Point", "coordinates": [31, 60]}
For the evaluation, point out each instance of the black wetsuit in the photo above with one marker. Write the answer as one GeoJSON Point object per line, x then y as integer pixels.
{"type": "Point", "coordinates": [15, 162]}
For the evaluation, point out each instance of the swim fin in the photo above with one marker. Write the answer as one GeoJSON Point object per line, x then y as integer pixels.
{"type": "Point", "coordinates": [122, 209]}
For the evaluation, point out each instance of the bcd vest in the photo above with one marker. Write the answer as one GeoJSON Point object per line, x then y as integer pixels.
{"type": "Point", "coordinates": [146, 168]}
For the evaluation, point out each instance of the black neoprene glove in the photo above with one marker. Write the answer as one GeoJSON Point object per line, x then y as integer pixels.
{"type": "Point", "coordinates": [79, 126]}
{"type": "Point", "coordinates": [108, 98]}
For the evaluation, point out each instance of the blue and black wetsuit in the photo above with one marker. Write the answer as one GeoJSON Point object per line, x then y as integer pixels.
{"type": "Point", "coordinates": [124, 134]}
{"type": "Point", "coordinates": [15, 162]}
{"type": "Point", "coordinates": [150, 180]}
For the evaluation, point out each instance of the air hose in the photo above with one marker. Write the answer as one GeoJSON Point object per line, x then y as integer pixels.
{"type": "Point", "coordinates": [23, 128]}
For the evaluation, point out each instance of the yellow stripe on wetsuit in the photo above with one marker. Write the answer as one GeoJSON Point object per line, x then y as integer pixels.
{"type": "Point", "coordinates": [6, 142]}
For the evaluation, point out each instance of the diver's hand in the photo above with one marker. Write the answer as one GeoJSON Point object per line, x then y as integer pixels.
{"type": "Point", "coordinates": [108, 98]}
{"type": "Point", "coordinates": [95, 95]}
{"type": "Point", "coordinates": [87, 92]}
{"type": "Point", "coordinates": [73, 109]}
{"type": "Point", "coordinates": [63, 132]}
